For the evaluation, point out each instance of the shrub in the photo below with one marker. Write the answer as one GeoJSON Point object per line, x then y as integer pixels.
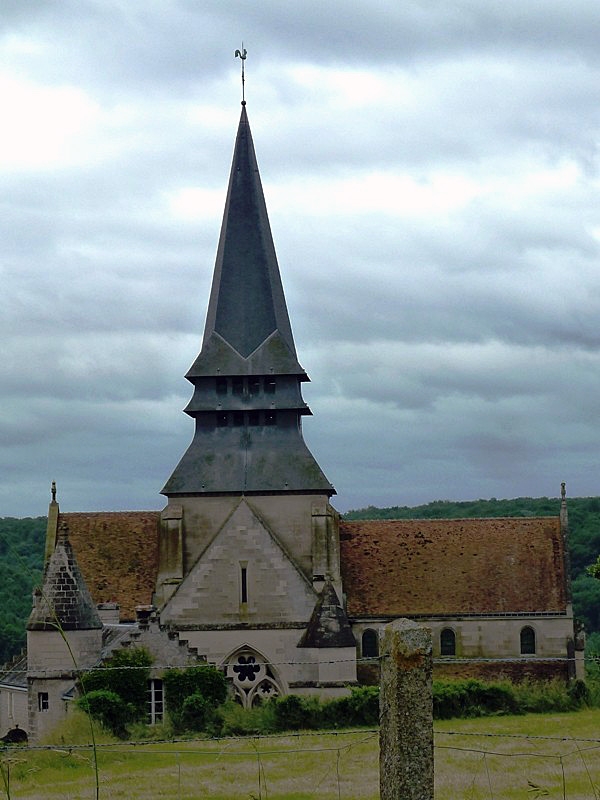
{"type": "Point", "coordinates": [195, 712]}
{"type": "Point", "coordinates": [118, 690]}
{"type": "Point", "coordinates": [578, 692]}
{"type": "Point", "coordinates": [294, 713]}
{"type": "Point", "coordinates": [126, 674]}
{"type": "Point", "coordinates": [472, 698]}
{"type": "Point", "coordinates": [361, 707]}
{"type": "Point", "coordinates": [205, 683]}
{"type": "Point", "coordinates": [237, 721]}
{"type": "Point", "coordinates": [109, 709]}
{"type": "Point", "coordinates": [544, 696]}
{"type": "Point", "coordinates": [364, 702]}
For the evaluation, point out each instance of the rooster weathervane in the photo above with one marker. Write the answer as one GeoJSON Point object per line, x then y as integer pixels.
{"type": "Point", "coordinates": [242, 55]}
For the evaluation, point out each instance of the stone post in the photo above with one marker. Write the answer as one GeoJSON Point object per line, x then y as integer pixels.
{"type": "Point", "coordinates": [406, 713]}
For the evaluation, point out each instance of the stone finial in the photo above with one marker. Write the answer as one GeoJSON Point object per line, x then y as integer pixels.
{"type": "Point", "coordinates": [563, 491]}
{"type": "Point", "coordinates": [53, 491]}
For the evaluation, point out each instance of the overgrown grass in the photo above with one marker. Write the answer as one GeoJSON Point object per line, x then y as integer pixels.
{"type": "Point", "coordinates": [502, 757]}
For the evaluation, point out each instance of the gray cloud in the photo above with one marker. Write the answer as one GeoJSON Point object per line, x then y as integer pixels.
{"type": "Point", "coordinates": [431, 172]}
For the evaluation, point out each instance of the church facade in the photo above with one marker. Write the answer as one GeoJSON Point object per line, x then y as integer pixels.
{"type": "Point", "coordinates": [249, 566]}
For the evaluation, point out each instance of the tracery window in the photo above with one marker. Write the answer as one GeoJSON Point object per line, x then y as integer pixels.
{"type": "Point", "coordinates": [254, 680]}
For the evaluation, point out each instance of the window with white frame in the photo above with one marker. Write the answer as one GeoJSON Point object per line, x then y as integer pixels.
{"type": "Point", "coordinates": [155, 701]}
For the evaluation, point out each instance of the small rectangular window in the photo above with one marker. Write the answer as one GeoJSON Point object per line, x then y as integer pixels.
{"type": "Point", "coordinates": [222, 420]}
{"type": "Point", "coordinates": [43, 703]}
{"type": "Point", "coordinates": [269, 385]}
{"type": "Point", "coordinates": [238, 386]}
{"type": "Point", "coordinates": [270, 418]}
{"type": "Point", "coordinates": [221, 385]}
{"type": "Point", "coordinates": [244, 584]}
{"type": "Point", "coordinates": [253, 386]}
{"type": "Point", "coordinates": [238, 418]}
{"type": "Point", "coordinates": [253, 418]}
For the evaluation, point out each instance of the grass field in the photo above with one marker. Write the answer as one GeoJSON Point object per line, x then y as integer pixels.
{"type": "Point", "coordinates": [533, 756]}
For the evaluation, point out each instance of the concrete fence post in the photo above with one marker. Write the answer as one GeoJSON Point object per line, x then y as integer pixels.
{"type": "Point", "coordinates": [406, 713]}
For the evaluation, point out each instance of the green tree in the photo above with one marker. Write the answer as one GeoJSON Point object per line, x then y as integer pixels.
{"type": "Point", "coordinates": [125, 676]}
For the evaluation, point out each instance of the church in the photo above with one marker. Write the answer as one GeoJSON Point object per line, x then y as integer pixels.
{"type": "Point", "coordinates": [249, 567]}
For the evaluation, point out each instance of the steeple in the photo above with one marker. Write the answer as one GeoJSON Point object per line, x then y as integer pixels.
{"type": "Point", "coordinates": [247, 399]}
{"type": "Point", "coordinates": [247, 325]}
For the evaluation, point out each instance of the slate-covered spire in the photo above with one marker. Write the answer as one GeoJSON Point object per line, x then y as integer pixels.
{"type": "Point", "coordinates": [64, 600]}
{"type": "Point", "coordinates": [247, 325]}
{"type": "Point", "coordinates": [247, 399]}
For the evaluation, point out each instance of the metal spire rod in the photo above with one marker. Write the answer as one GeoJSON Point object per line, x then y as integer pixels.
{"type": "Point", "coordinates": [242, 54]}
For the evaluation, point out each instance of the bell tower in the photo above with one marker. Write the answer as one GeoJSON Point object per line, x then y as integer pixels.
{"type": "Point", "coordinates": [247, 406]}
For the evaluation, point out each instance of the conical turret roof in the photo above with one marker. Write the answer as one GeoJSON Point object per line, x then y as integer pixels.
{"type": "Point", "coordinates": [64, 601]}
{"type": "Point", "coordinates": [328, 625]}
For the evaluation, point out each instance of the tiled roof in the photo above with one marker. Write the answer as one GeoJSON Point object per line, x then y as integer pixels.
{"type": "Point", "coordinates": [462, 566]}
{"type": "Point", "coordinates": [117, 553]}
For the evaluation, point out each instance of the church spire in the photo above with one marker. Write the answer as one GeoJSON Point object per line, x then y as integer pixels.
{"type": "Point", "coordinates": [247, 324]}
{"type": "Point", "coordinates": [247, 401]}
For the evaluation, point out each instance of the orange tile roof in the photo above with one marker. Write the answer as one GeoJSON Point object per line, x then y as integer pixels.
{"type": "Point", "coordinates": [461, 566]}
{"type": "Point", "coordinates": [117, 553]}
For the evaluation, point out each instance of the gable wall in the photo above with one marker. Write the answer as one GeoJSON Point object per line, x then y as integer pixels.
{"type": "Point", "coordinates": [288, 516]}
{"type": "Point", "coordinates": [277, 592]}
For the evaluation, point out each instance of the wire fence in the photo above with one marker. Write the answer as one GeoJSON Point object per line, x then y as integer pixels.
{"type": "Point", "coordinates": [371, 660]}
{"type": "Point", "coordinates": [474, 765]}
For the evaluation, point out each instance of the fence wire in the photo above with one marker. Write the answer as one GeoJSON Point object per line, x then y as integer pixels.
{"type": "Point", "coordinates": [332, 765]}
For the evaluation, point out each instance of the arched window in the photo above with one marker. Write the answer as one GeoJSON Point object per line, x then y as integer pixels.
{"type": "Point", "coordinates": [527, 641]}
{"type": "Point", "coordinates": [447, 642]}
{"type": "Point", "coordinates": [370, 644]}
{"type": "Point", "coordinates": [253, 678]}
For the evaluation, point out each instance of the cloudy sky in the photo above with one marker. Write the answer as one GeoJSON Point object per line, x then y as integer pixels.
{"type": "Point", "coordinates": [431, 170]}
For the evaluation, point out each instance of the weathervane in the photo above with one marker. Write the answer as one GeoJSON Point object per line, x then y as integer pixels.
{"type": "Point", "coordinates": [242, 54]}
